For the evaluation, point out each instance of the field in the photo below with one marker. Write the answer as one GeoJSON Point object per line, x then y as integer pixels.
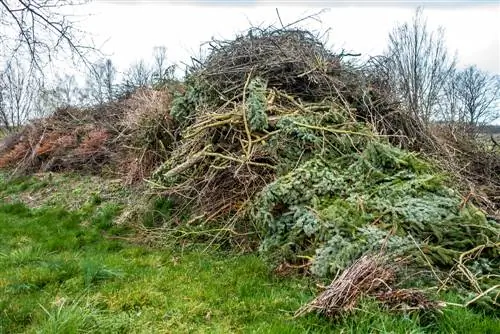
{"type": "Point", "coordinates": [68, 268]}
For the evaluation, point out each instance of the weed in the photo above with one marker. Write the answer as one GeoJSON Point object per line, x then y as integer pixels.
{"type": "Point", "coordinates": [64, 318]}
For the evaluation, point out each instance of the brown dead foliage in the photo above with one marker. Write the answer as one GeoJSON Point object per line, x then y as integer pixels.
{"type": "Point", "coordinates": [146, 133]}
{"type": "Point", "coordinates": [369, 276]}
{"type": "Point", "coordinates": [129, 137]}
{"type": "Point", "coordinates": [474, 165]}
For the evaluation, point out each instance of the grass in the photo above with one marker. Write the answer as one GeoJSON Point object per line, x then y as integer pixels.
{"type": "Point", "coordinates": [68, 271]}
{"type": "Point", "coordinates": [70, 190]}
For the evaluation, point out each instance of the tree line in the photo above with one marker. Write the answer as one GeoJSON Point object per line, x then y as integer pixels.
{"type": "Point", "coordinates": [420, 71]}
{"type": "Point", "coordinates": [426, 79]}
{"type": "Point", "coordinates": [25, 95]}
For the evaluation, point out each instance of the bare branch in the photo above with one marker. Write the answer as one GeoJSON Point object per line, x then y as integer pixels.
{"type": "Point", "coordinates": [43, 29]}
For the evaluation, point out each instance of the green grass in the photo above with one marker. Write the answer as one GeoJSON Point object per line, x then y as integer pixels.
{"type": "Point", "coordinates": [69, 190]}
{"type": "Point", "coordinates": [70, 272]}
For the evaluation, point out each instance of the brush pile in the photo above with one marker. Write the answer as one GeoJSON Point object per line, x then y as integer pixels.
{"type": "Point", "coordinates": [365, 276]}
{"type": "Point", "coordinates": [369, 276]}
{"type": "Point", "coordinates": [130, 135]}
{"type": "Point", "coordinates": [69, 139]}
{"type": "Point", "coordinates": [257, 107]}
{"type": "Point", "coordinates": [277, 133]}
{"type": "Point", "coordinates": [476, 166]}
{"type": "Point", "coordinates": [146, 133]}
{"type": "Point", "coordinates": [294, 61]}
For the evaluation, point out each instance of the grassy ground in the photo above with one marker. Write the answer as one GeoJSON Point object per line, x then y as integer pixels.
{"type": "Point", "coordinates": [68, 271]}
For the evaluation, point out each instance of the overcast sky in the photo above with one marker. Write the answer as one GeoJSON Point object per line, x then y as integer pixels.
{"type": "Point", "coordinates": [132, 28]}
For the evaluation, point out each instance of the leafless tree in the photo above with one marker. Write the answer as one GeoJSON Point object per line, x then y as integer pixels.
{"type": "Point", "coordinates": [33, 33]}
{"type": "Point", "coordinates": [450, 107]}
{"type": "Point", "coordinates": [419, 65]}
{"type": "Point", "coordinates": [137, 76]}
{"type": "Point", "coordinates": [109, 79]}
{"type": "Point", "coordinates": [478, 94]}
{"type": "Point", "coordinates": [63, 93]}
{"type": "Point", "coordinates": [18, 87]}
{"type": "Point", "coordinates": [101, 82]}
{"type": "Point", "coordinates": [161, 71]}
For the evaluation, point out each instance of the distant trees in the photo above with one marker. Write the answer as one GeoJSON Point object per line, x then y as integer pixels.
{"type": "Point", "coordinates": [162, 73]}
{"type": "Point", "coordinates": [64, 92]}
{"type": "Point", "coordinates": [419, 65]}
{"type": "Point", "coordinates": [477, 93]}
{"type": "Point", "coordinates": [471, 98]}
{"type": "Point", "coordinates": [32, 34]}
{"type": "Point", "coordinates": [425, 78]}
{"type": "Point", "coordinates": [101, 82]}
{"type": "Point", "coordinates": [137, 75]}
{"type": "Point", "coordinates": [18, 89]}
{"type": "Point", "coordinates": [25, 94]}
{"type": "Point", "coordinates": [144, 74]}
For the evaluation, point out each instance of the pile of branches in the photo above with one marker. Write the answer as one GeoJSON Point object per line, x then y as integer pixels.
{"type": "Point", "coordinates": [261, 104]}
{"type": "Point", "coordinates": [276, 131]}
{"type": "Point", "coordinates": [474, 164]}
{"type": "Point", "coordinates": [70, 139]}
{"type": "Point", "coordinates": [297, 62]}
{"type": "Point", "coordinates": [146, 133]}
{"type": "Point", "coordinates": [292, 60]}
{"type": "Point", "coordinates": [229, 153]}
{"type": "Point", "coordinates": [369, 276]}
{"type": "Point", "coordinates": [130, 136]}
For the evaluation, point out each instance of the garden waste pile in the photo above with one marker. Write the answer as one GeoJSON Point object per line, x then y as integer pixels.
{"type": "Point", "coordinates": [126, 138]}
{"type": "Point", "coordinates": [273, 134]}
{"type": "Point", "coordinates": [280, 135]}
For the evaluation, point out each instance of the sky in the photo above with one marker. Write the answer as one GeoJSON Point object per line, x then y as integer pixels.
{"type": "Point", "coordinates": [128, 30]}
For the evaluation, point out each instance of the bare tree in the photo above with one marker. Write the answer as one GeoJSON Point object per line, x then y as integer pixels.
{"type": "Point", "coordinates": [33, 33]}
{"type": "Point", "coordinates": [478, 94]}
{"type": "Point", "coordinates": [63, 93]}
{"type": "Point", "coordinates": [18, 87]}
{"type": "Point", "coordinates": [419, 65]}
{"type": "Point", "coordinates": [450, 107]}
{"type": "Point", "coordinates": [137, 76]}
{"type": "Point", "coordinates": [101, 82]}
{"type": "Point", "coordinates": [109, 79]}
{"type": "Point", "coordinates": [162, 73]}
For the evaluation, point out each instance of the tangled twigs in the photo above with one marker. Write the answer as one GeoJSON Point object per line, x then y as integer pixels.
{"type": "Point", "coordinates": [368, 276]}
{"type": "Point", "coordinates": [267, 53]}
{"type": "Point", "coordinates": [365, 276]}
{"type": "Point", "coordinates": [242, 141]}
{"type": "Point", "coordinates": [472, 279]}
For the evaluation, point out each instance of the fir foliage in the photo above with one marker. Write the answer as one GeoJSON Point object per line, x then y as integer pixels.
{"type": "Point", "coordinates": [334, 210]}
{"type": "Point", "coordinates": [257, 104]}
